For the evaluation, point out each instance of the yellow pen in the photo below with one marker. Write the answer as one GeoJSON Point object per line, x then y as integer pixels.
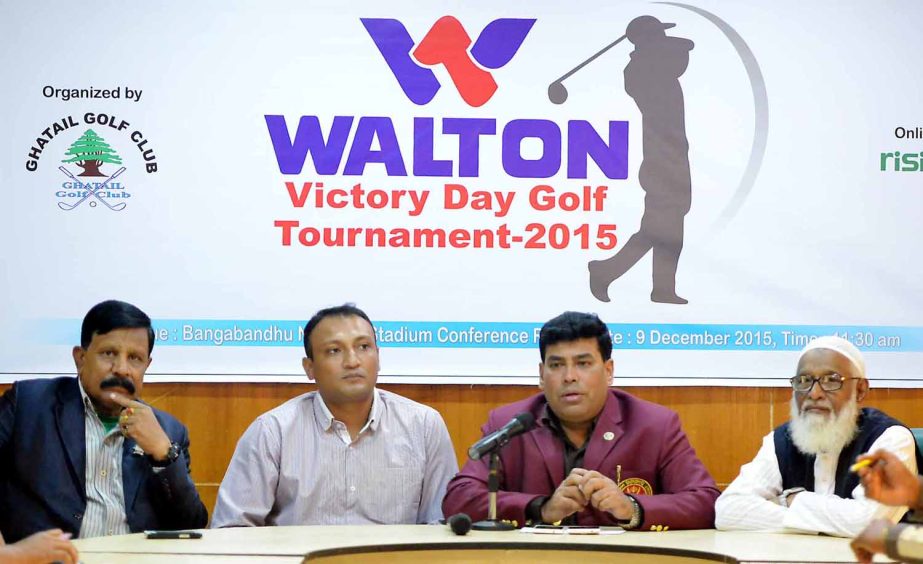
{"type": "Point", "coordinates": [861, 464]}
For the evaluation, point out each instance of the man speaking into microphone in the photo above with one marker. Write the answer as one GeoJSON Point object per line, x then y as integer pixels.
{"type": "Point", "coordinates": [596, 455]}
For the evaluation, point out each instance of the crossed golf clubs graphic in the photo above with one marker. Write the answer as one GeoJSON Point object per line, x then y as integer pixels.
{"type": "Point", "coordinates": [92, 192]}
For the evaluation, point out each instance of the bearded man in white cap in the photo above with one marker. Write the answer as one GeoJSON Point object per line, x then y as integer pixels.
{"type": "Point", "coordinates": [800, 479]}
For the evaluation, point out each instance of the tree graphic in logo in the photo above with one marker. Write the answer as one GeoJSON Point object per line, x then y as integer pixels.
{"type": "Point", "coordinates": [90, 152]}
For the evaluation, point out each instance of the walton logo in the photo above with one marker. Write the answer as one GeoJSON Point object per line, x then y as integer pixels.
{"type": "Point", "coordinates": [447, 43]}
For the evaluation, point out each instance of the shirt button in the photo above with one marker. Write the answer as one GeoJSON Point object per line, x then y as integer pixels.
{"type": "Point", "coordinates": [103, 473]}
{"type": "Point", "coordinates": [111, 531]}
{"type": "Point", "coordinates": [352, 488]}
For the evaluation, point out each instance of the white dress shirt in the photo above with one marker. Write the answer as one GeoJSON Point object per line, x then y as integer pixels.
{"type": "Point", "coordinates": [297, 465]}
{"type": "Point", "coordinates": [750, 502]}
{"type": "Point", "coordinates": [909, 545]}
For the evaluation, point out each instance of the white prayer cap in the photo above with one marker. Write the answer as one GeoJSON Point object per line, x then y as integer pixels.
{"type": "Point", "coordinates": [840, 345]}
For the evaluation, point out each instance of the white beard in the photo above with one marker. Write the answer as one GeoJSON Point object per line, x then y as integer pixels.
{"type": "Point", "coordinates": [814, 434]}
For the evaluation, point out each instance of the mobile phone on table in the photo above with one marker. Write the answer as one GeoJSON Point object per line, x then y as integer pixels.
{"type": "Point", "coordinates": [173, 534]}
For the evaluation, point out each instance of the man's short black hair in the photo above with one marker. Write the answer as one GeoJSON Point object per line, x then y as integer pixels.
{"type": "Point", "coordinates": [574, 325]}
{"type": "Point", "coordinates": [345, 310]}
{"type": "Point", "coordinates": [113, 314]}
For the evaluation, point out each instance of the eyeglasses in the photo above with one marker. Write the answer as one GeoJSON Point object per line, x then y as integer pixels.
{"type": "Point", "coordinates": [828, 382]}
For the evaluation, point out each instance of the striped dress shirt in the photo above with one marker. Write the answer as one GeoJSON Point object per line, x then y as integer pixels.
{"type": "Point", "coordinates": [297, 465]}
{"type": "Point", "coordinates": [105, 512]}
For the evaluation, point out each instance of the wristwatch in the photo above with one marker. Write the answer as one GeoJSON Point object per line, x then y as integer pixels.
{"type": "Point", "coordinates": [172, 455]}
{"type": "Point", "coordinates": [636, 515]}
{"type": "Point", "coordinates": [783, 497]}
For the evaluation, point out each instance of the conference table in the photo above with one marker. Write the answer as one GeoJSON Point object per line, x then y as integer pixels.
{"type": "Point", "coordinates": [434, 543]}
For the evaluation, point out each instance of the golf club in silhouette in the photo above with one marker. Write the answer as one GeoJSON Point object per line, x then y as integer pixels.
{"type": "Point", "coordinates": [556, 91]}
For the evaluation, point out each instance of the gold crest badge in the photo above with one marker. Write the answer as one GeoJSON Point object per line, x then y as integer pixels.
{"type": "Point", "coordinates": [636, 486]}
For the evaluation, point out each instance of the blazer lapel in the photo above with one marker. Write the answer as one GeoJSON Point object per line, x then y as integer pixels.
{"type": "Point", "coordinates": [69, 418]}
{"type": "Point", "coordinates": [134, 470]}
{"type": "Point", "coordinates": [606, 434]}
{"type": "Point", "coordinates": [552, 450]}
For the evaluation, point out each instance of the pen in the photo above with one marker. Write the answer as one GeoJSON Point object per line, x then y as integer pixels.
{"type": "Point", "coordinates": [860, 465]}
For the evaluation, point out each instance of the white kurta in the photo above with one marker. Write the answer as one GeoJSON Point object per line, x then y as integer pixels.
{"type": "Point", "coordinates": [751, 502]}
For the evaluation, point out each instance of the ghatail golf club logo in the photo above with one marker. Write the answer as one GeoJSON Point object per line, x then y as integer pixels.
{"type": "Point", "coordinates": [92, 165]}
{"type": "Point", "coordinates": [90, 152]}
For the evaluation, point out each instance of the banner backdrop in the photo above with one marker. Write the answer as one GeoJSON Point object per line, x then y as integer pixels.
{"type": "Point", "coordinates": [720, 181]}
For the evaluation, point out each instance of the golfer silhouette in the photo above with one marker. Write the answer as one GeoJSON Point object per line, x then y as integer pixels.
{"type": "Point", "coordinates": [652, 80]}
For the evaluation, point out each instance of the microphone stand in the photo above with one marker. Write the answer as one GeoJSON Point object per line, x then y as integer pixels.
{"type": "Point", "coordinates": [493, 485]}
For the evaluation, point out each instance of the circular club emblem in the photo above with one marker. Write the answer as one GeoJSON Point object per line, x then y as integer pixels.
{"type": "Point", "coordinates": [637, 486]}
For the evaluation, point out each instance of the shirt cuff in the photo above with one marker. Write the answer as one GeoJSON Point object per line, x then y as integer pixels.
{"type": "Point", "coordinates": [905, 543]}
{"type": "Point", "coordinates": [534, 509]}
{"type": "Point", "coordinates": [891, 540]}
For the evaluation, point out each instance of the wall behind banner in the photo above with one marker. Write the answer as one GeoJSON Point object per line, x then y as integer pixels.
{"type": "Point", "coordinates": [725, 425]}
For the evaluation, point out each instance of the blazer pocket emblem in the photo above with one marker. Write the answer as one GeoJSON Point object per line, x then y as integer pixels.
{"type": "Point", "coordinates": [636, 486]}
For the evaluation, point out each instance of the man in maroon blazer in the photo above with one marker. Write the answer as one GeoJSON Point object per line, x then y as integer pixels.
{"type": "Point", "coordinates": [596, 456]}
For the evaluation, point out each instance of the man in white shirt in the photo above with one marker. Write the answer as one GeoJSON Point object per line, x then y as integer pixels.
{"type": "Point", "coordinates": [800, 479]}
{"type": "Point", "coordinates": [346, 454]}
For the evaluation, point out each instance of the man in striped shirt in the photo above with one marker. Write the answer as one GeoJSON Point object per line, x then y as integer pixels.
{"type": "Point", "coordinates": [348, 453]}
{"type": "Point", "coordinates": [83, 454]}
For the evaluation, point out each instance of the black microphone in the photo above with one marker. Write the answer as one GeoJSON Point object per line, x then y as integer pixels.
{"type": "Point", "coordinates": [460, 523]}
{"type": "Point", "coordinates": [517, 425]}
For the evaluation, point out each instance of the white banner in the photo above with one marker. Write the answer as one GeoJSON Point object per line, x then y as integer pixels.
{"type": "Point", "coordinates": [720, 181]}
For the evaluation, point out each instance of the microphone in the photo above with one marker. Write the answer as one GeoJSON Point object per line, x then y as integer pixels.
{"type": "Point", "coordinates": [460, 523]}
{"type": "Point", "coordinates": [517, 425]}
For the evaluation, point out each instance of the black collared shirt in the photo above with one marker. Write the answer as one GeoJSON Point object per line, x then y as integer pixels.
{"type": "Point", "coordinates": [573, 458]}
{"type": "Point", "coordinates": [573, 455]}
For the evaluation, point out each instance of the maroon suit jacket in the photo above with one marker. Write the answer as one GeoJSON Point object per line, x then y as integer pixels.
{"type": "Point", "coordinates": [644, 438]}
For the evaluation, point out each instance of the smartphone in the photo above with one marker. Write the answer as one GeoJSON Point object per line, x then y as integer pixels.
{"type": "Point", "coordinates": [173, 534]}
